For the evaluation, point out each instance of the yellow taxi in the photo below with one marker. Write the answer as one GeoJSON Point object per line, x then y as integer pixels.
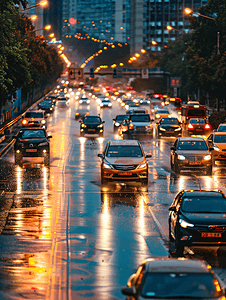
{"type": "Point", "coordinates": [217, 141]}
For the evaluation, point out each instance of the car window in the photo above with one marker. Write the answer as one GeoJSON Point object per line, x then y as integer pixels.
{"type": "Point", "coordinates": [122, 117]}
{"type": "Point", "coordinates": [197, 121]}
{"type": "Point", "coordinates": [221, 128]}
{"type": "Point", "coordinates": [175, 285]}
{"type": "Point", "coordinates": [220, 139]}
{"type": "Point", "coordinates": [28, 134]}
{"type": "Point", "coordinates": [192, 145]}
{"type": "Point", "coordinates": [92, 120]}
{"type": "Point", "coordinates": [140, 118]}
{"type": "Point", "coordinates": [33, 115]}
{"type": "Point", "coordinates": [169, 121]}
{"type": "Point", "coordinates": [204, 205]}
{"type": "Point", "coordinates": [124, 151]}
{"type": "Point", "coordinates": [162, 112]}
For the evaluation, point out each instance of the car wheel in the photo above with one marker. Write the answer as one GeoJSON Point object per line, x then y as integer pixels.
{"type": "Point", "coordinates": [170, 235]}
{"type": "Point", "coordinates": [171, 164]}
{"type": "Point", "coordinates": [209, 171]}
{"type": "Point", "coordinates": [18, 160]}
{"type": "Point", "coordinates": [101, 134]}
{"type": "Point", "coordinates": [81, 134]}
{"type": "Point", "coordinates": [46, 160]}
{"type": "Point", "coordinates": [179, 248]}
{"type": "Point", "coordinates": [177, 168]}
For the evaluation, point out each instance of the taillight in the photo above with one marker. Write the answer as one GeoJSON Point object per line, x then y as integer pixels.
{"type": "Point", "coordinates": [130, 126]}
{"type": "Point", "coordinates": [207, 126]}
{"type": "Point", "coordinates": [24, 122]}
{"type": "Point", "coordinates": [190, 126]}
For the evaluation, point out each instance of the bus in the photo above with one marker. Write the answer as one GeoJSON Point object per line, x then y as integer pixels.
{"type": "Point", "coordinates": [193, 111]}
{"type": "Point", "coordinates": [176, 103]}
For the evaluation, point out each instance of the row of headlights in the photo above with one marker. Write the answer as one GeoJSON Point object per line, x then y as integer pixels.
{"type": "Point", "coordinates": [176, 129]}
{"type": "Point", "coordinates": [102, 104]}
{"type": "Point", "coordinates": [99, 126]}
{"type": "Point", "coordinates": [40, 144]}
{"type": "Point", "coordinates": [109, 166]}
{"type": "Point", "coordinates": [182, 157]}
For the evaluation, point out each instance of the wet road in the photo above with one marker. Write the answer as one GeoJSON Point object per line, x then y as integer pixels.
{"type": "Point", "coordinates": [64, 236]}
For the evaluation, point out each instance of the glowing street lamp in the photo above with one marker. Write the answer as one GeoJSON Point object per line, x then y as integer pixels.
{"type": "Point", "coordinates": [188, 11]}
{"type": "Point", "coordinates": [154, 43]}
{"type": "Point", "coordinates": [51, 35]}
{"type": "Point", "coordinates": [171, 28]}
{"type": "Point", "coordinates": [33, 18]}
{"type": "Point", "coordinates": [42, 3]}
{"type": "Point", "coordinates": [47, 27]}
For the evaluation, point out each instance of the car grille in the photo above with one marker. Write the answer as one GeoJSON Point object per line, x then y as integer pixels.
{"type": "Point", "coordinates": [194, 157]}
{"type": "Point", "coordinates": [212, 228]}
{"type": "Point", "coordinates": [124, 167]}
{"type": "Point", "coordinates": [140, 127]}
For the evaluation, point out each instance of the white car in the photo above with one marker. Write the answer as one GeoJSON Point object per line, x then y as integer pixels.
{"type": "Point", "coordinates": [105, 103]}
{"type": "Point", "coordinates": [34, 119]}
{"type": "Point", "coordinates": [84, 100]}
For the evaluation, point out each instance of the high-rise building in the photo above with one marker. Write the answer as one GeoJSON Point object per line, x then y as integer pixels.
{"type": "Point", "coordinates": [149, 19]}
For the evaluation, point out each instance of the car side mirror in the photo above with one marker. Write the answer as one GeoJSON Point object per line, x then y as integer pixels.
{"type": "Point", "coordinates": [49, 136]}
{"type": "Point", "coordinates": [211, 149]}
{"type": "Point", "coordinates": [152, 120]}
{"type": "Point", "coordinates": [148, 155]}
{"type": "Point", "coordinates": [127, 291]}
{"type": "Point", "coordinates": [172, 208]}
{"type": "Point", "coordinates": [45, 116]}
{"type": "Point", "coordinates": [100, 155]}
{"type": "Point", "coordinates": [103, 121]}
{"type": "Point", "coordinates": [173, 148]}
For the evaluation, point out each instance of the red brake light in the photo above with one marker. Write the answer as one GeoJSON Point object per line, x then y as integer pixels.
{"type": "Point", "coordinates": [130, 126]}
{"type": "Point", "coordinates": [24, 122]}
{"type": "Point", "coordinates": [207, 126]}
{"type": "Point", "coordinates": [190, 126]}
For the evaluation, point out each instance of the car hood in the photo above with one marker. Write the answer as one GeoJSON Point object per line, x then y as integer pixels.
{"type": "Point", "coordinates": [125, 160]}
{"type": "Point", "coordinates": [141, 123]}
{"type": "Point", "coordinates": [166, 126]}
{"type": "Point", "coordinates": [192, 152]}
{"type": "Point", "coordinates": [32, 141]}
{"type": "Point", "coordinates": [206, 218]}
{"type": "Point", "coordinates": [220, 145]}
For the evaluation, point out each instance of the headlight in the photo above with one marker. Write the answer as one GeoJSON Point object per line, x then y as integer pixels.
{"type": "Point", "coordinates": [117, 124]}
{"type": "Point", "coordinates": [216, 148]}
{"type": "Point", "coordinates": [207, 157]}
{"type": "Point", "coordinates": [185, 224]}
{"type": "Point", "coordinates": [109, 104]}
{"type": "Point", "coordinates": [80, 101]}
{"type": "Point", "coordinates": [141, 166]}
{"type": "Point", "coordinates": [181, 157]}
{"type": "Point", "coordinates": [101, 104]}
{"type": "Point", "coordinates": [106, 166]}
{"type": "Point", "coordinates": [100, 126]}
{"type": "Point", "coordinates": [43, 144]}
{"type": "Point", "coordinates": [51, 108]}
{"type": "Point", "coordinates": [178, 129]}
{"type": "Point", "coordinates": [43, 121]}
{"type": "Point", "coordinates": [83, 125]}
{"type": "Point", "coordinates": [157, 116]}
{"type": "Point", "coordinates": [163, 129]}
{"type": "Point", "coordinates": [88, 101]}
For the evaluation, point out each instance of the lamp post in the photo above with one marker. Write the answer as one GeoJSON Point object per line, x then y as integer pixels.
{"type": "Point", "coordinates": [47, 27]}
{"type": "Point", "coordinates": [42, 3]}
{"type": "Point", "coordinates": [171, 28]}
{"type": "Point", "coordinates": [188, 11]}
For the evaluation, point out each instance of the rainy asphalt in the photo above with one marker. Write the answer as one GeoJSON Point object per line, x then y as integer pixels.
{"type": "Point", "coordinates": [66, 236]}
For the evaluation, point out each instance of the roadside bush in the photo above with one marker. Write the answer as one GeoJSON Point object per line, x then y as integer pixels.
{"type": "Point", "coordinates": [216, 118]}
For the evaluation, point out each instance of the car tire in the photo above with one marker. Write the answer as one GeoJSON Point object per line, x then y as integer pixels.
{"type": "Point", "coordinates": [46, 160]}
{"type": "Point", "coordinates": [209, 170]}
{"type": "Point", "coordinates": [177, 169]}
{"type": "Point", "coordinates": [18, 160]}
{"type": "Point", "coordinates": [101, 134]}
{"type": "Point", "coordinates": [171, 164]}
{"type": "Point", "coordinates": [81, 134]}
{"type": "Point", "coordinates": [179, 248]}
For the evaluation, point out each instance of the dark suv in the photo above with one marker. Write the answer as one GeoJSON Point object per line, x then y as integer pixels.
{"type": "Point", "coordinates": [92, 125]}
{"type": "Point", "coordinates": [31, 142]}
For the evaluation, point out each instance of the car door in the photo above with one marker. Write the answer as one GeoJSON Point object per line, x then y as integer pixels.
{"type": "Point", "coordinates": [210, 141]}
{"type": "Point", "coordinates": [174, 212]}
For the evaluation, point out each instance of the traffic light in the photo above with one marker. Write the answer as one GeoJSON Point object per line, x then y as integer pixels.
{"type": "Point", "coordinates": [91, 73]}
{"type": "Point", "coordinates": [115, 73]}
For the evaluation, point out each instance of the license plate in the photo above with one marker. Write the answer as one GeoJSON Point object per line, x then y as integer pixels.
{"type": "Point", "coordinates": [31, 150]}
{"type": "Point", "coordinates": [195, 162]}
{"type": "Point", "coordinates": [210, 234]}
{"type": "Point", "coordinates": [91, 129]}
{"type": "Point", "coordinates": [125, 173]}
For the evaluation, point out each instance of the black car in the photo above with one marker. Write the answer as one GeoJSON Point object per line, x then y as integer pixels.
{"type": "Point", "coordinates": [31, 142]}
{"type": "Point", "coordinates": [46, 106]}
{"type": "Point", "coordinates": [197, 218]}
{"type": "Point", "coordinates": [92, 125]}
{"type": "Point", "coordinates": [169, 127]}
{"type": "Point", "coordinates": [118, 121]}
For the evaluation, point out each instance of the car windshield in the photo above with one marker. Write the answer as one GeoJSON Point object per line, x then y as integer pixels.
{"type": "Point", "coordinates": [92, 120]}
{"type": "Point", "coordinates": [196, 112]}
{"type": "Point", "coordinates": [30, 134]}
{"type": "Point", "coordinates": [122, 117]}
{"type": "Point", "coordinates": [222, 128]}
{"type": "Point", "coordinates": [204, 204]}
{"type": "Point", "coordinates": [124, 151]}
{"type": "Point", "coordinates": [45, 104]}
{"type": "Point", "coordinates": [162, 112]}
{"type": "Point", "coordinates": [140, 118]}
{"type": "Point", "coordinates": [220, 139]}
{"type": "Point", "coordinates": [192, 145]}
{"type": "Point", "coordinates": [172, 121]}
{"type": "Point", "coordinates": [197, 121]}
{"type": "Point", "coordinates": [33, 115]}
{"type": "Point", "coordinates": [106, 101]}
{"type": "Point", "coordinates": [133, 105]}
{"type": "Point", "coordinates": [175, 285]}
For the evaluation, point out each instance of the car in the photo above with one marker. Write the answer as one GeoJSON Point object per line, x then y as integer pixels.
{"type": "Point", "coordinates": [92, 125]}
{"type": "Point", "coordinates": [169, 127]}
{"type": "Point", "coordinates": [100, 98]}
{"type": "Point", "coordinates": [174, 278]}
{"type": "Point", "coordinates": [137, 125]}
{"type": "Point", "coordinates": [161, 113]}
{"type": "Point", "coordinates": [32, 142]}
{"type": "Point", "coordinates": [46, 106]}
{"type": "Point", "coordinates": [221, 127]}
{"type": "Point", "coordinates": [105, 103]}
{"type": "Point", "coordinates": [198, 126]}
{"type": "Point", "coordinates": [35, 118]}
{"type": "Point", "coordinates": [81, 113]}
{"type": "Point", "coordinates": [191, 153]}
{"type": "Point", "coordinates": [53, 97]}
{"type": "Point", "coordinates": [117, 121]}
{"type": "Point", "coordinates": [124, 160]}
{"type": "Point", "coordinates": [131, 107]}
{"type": "Point", "coordinates": [217, 141]}
{"type": "Point", "coordinates": [84, 100]}
{"type": "Point", "coordinates": [62, 101]}
{"type": "Point", "coordinates": [144, 101]}
{"type": "Point", "coordinates": [126, 101]}
{"type": "Point", "coordinates": [197, 218]}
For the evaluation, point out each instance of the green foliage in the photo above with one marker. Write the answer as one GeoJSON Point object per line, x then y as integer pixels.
{"type": "Point", "coordinates": [216, 118]}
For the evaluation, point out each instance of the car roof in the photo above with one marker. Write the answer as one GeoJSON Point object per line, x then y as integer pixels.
{"type": "Point", "coordinates": [124, 142]}
{"type": "Point", "coordinates": [222, 124]}
{"type": "Point", "coordinates": [191, 139]}
{"type": "Point", "coordinates": [92, 116]}
{"type": "Point", "coordinates": [180, 265]}
{"type": "Point", "coordinates": [219, 133]}
{"type": "Point", "coordinates": [215, 193]}
{"type": "Point", "coordinates": [34, 111]}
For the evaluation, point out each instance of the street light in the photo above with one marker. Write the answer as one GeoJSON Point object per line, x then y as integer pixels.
{"type": "Point", "coordinates": [171, 28]}
{"type": "Point", "coordinates": [42, 3]}
{"type": "Point", "coordinates": [33, 18]}
{"type": "Point", "coordinates": [47, 27]}
{"type": "Point", "coordinates": [188, 11]}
